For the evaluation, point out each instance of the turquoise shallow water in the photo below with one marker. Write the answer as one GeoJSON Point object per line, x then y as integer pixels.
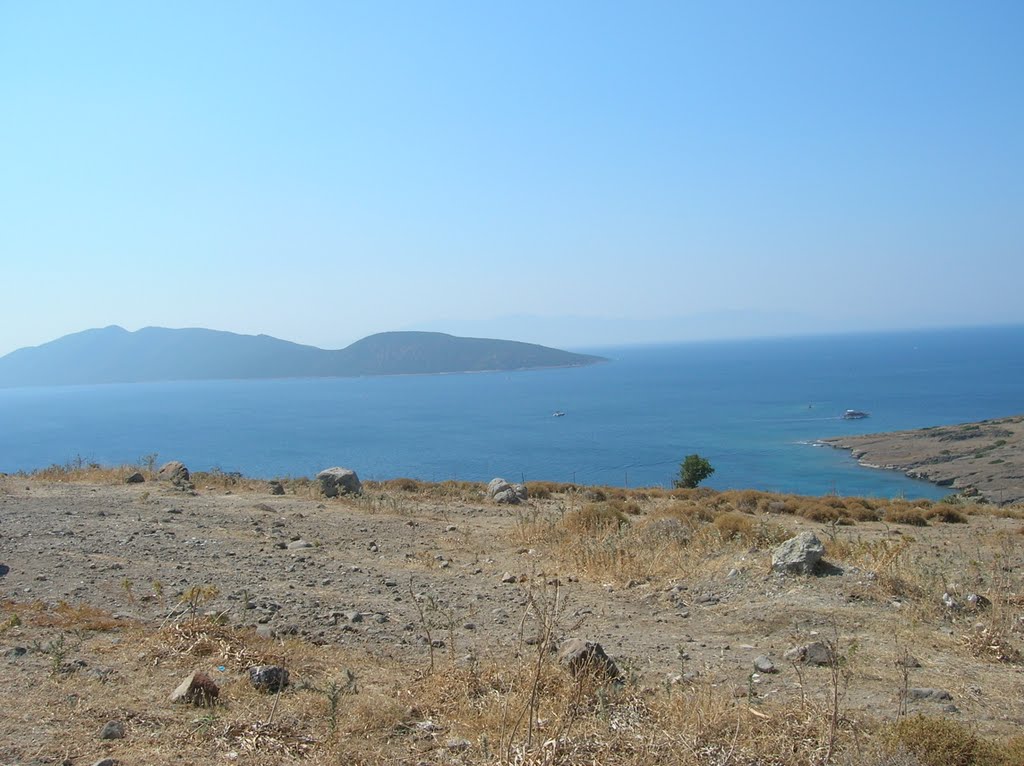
{"type": "Point", "coordinates": [753, 408]}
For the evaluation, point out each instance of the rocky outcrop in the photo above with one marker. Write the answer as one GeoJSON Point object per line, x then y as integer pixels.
{"type": "Point", "coordinates": [339, 481]}
{"type": "Point", "coordinates": [500, 491]}
{"type": "Point", "coordinates": [983, 461]}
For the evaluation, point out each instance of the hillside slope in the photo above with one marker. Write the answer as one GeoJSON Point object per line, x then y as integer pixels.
{"type": "Point", "coordinates": [115, 355]}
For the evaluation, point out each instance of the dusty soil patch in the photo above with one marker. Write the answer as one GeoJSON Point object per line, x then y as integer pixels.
{"type": "Point", "coordinates": [396, 582]}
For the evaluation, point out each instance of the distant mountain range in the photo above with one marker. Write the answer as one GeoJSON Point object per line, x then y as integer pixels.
{"type": "Point", "coordinates": [115, 355]}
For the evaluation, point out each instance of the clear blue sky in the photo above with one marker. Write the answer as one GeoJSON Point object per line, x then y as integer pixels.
{"type": "Point", "coordinates": [321, 171]}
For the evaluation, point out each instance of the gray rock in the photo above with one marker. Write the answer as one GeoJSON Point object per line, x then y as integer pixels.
{"type": "Point", "coordinates": [197, 689]}
{"type": "Point", "coordinates": [268, 678]}
{"type": "Point", "coordinates": [925, 693]}
{"type": "Point", "coordinates": [458, 745]}
{"type": "Point", "coordinates": [339, 481]}
{"type": "Point", "coordinates": [798, 555]}
{"type": "Point", "coordinates": [134, 478]}
{"type": "Point", "coordinates": [500, 491]}
{"type": "Point", "coordinates": [275, 487]}
{"type": "Point", "coordinates": [579, 656]}
{"type": "Point", "coordinates": [174, 472]}
{"type": "Point", "coordinates": [764, 664]}
{"type": "Point", "coordinates": [300, 543]}
{"type": "Point", "coordinates": [978, 602]}
{"type": "Point", "coordinates": [112, 730]}
{"type": "Point", "coordinates": [105, 762]}
{"type": "Point", "coordinates": [815, 653]}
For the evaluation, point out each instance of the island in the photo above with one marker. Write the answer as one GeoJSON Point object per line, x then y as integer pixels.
{"type": "Point", "coordinates": [983, 459]}
{"type": "Point", "coordinates": [115, 355]}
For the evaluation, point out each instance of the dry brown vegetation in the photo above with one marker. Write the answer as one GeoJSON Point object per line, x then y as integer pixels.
{"type": "Point", "coordinates": [364, 705]}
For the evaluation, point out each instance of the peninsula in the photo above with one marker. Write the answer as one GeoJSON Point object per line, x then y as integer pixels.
{"type": "Point", "coordinates": [115, 355]}
{"type": "Point", "coordinates": [986, 458]}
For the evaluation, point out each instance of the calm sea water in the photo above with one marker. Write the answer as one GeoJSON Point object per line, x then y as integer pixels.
{"type": "Point", "coordinates": [753, 408]}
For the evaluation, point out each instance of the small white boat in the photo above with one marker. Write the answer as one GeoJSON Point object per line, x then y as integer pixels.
{"type": "Point", "coordinates": [854, 415]}
{"type": "Point", "coordinates": [558, 414]}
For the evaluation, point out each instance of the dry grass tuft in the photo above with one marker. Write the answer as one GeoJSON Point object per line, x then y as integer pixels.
{"type": "Point", "coordinates": [60, 616]}
{"type": "Point", "coordinates": [946, 514]}
{"type": "Point", "coordinates": [899, 514]}
{"type": "Point", "coordinates": [946, 742]}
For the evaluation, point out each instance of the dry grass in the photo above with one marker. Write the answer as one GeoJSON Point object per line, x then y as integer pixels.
{"type": "Point", "coordinates": [517, 706]}
{"type": "Point", "coordinates": [346, 706]}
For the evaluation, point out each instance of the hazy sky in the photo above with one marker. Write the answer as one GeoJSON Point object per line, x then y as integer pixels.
{"type": "Point", "coordinates": [321, 171]}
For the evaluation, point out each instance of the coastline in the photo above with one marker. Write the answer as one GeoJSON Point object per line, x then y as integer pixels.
{"type": "Point", "coordinates": [984, 458]}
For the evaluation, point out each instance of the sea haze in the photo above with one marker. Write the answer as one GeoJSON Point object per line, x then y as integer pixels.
{"type": "Point", "coordinates": [753, 408]}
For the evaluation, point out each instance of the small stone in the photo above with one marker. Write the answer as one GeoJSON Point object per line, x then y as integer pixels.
{"type": "Point", "coordinates": [580, 656]}
{"type": "Point", "coordinates": [977, 601]}
{"type": "Point", "coordinates": [106, 762]}
{"type": "Point", "coordinates": [112, 730]}
{"type": "Point", "coordinates": [134, 478]}
{"type": "Point", "coordinates": [763, 664]}
{"type": "Point", "coordinates": [509, 578]}
{"type": "Point", "coordinates": [275, 487]}
{"type": "Point", "coordinates": [197, 689]}
{"type": "Point", "coordinates": [458, 745]}
{"type": "Point", "coordinates": [926, 693]}
{"type": "Point", "coordinates": [268, 678]}
{"type": "Point", "coordinates": [815, 653]}
{"type": "Point", "coordinates": [298, 544]}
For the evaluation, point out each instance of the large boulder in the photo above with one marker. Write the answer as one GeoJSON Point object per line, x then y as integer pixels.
{"type": "Point", "coordinates": [500, 491]}
{"type": "Point", "coordinates": [174, 472]}
{"type": "Point", "coordinates": [339, 481]}
{"type": "Point", "coordinates": [586, 657]}
{"type": "Point", "coordinates": [798, 555]}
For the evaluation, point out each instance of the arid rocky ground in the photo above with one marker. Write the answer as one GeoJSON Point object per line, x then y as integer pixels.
{"type": "Point", "coordinates": [679, 591]}
{"type": "Point", "coordinates": [986, 457]}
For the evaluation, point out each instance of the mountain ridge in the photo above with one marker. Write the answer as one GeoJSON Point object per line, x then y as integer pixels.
{"type": "Point", "coordinates": [113, 354]}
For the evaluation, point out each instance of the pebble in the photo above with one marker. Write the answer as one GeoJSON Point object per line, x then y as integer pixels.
{"type": "Point", "coordinates": [112, 730]}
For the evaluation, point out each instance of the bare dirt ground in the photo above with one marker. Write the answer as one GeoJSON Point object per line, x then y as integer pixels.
{"type": "Point", "coordinates": [404, 580]}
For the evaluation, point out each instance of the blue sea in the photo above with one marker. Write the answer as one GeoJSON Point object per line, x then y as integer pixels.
{"type": "Point", "coordinates": [753, 408]}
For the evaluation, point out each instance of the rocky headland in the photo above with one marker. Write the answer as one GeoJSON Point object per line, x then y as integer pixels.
{"type": "Point", "coordinates": [981, 459]}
